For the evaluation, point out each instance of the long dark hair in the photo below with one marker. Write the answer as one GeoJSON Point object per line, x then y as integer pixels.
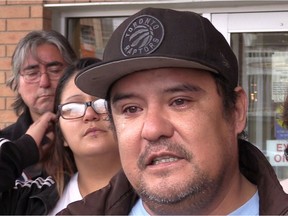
{"type": "Point", "coordinates": [60, 163]}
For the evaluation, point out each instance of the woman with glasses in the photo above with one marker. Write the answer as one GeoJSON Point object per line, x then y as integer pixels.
{"type": "Point", "coordinates": [84, 131]}
{"type": "Point", "coordinates": [83, 158]}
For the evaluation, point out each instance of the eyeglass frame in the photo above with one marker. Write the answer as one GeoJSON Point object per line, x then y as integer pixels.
{"type": "Point", "coordinates": [87, 104]}
{"type": "Point", "coordinates": [39, 73]}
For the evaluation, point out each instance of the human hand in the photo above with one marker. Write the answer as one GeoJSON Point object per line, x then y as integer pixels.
{"type": "Point", "coordinates": [43, 126]}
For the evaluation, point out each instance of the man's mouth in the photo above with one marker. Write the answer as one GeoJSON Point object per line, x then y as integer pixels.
{"type": "Point", "coordinates": [46, 96]}
{"type": "Point", "coordinates": [164, 159]}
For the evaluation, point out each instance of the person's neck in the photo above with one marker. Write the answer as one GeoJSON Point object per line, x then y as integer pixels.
{"type": "Point", "coordinates": [96, 174]}
{"type": "Point", "coordinates": [34, 116]}
{"type": "Point", "coordinates": [237, 195]}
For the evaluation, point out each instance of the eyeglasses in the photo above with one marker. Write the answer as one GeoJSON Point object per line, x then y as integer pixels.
{"type": "Point", "coordinates": [33, 74]}
{"type": "Point", "coordinates": [78, 110]}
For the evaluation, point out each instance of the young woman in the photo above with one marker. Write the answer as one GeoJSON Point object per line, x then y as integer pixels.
{"type": "Point", "coordinates": [84, 131]}
{"type": "Point", "coordinates": [83, 158]}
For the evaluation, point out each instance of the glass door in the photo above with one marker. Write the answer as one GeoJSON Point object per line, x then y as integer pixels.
{"type": "Point", "coordinates": [260, 42]}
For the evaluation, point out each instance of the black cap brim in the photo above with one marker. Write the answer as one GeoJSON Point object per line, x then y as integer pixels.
{"type": "Point", "coordinates": [97, 79]}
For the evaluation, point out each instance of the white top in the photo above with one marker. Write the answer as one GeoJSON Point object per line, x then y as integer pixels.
{"type": "Point", "coordinates": [71, 194]}
{"type": "Point", "coordinates": [284, 184]}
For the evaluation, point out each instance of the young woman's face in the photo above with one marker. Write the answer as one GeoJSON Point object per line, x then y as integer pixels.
{"type": "Point", "coordinates": [89, 135]}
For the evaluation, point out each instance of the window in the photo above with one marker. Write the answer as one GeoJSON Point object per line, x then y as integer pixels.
{"type": "Point", "coordinates": [263, 64]}
{"type": "Point", "coordinates": [89, 36]}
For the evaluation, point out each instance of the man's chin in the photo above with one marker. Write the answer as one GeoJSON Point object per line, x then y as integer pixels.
{"type": "Point", "coordinates": [43, 110]}
{"type": "Point", "coordinates": [161, 192]}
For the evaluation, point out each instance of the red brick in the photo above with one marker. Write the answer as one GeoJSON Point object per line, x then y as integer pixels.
{"type": "Point", "coordinates": [24, 24]}
{"type": "Point", "coordinates": [2, 103]}
{"type": "Point", "coordinates": [24, 2]}
{"type": "Point", "coordinates": [81, 1]}
{"type": "Point", "coordinates": [3, 2]}
{"type": "Point", "coordinates": [47, 24]}
{"type": "Point", "coordinates": [10, 50]}
{"type": "Point", "coordinates": [5, 63]}
{"type": "Point", "coordinates": [7, 116]}
{"type": "Point", "coordinates": [47, 13]}
{"type": "Point", "coordinates": [52, 1]}
{"type": "Point", "coordinates": [2, 24]}
{"type": "Point", "coordinates": [11, 37]}
{"type": "Point", "coordinates": [37, 11]}
{"type": "Point", "coordinates": [8, 74]}
{"type": "Point", "coordinates": [14, 12]}
{"type": "Point", "coordinates": [9, 101]}
{"type": "Point", "coordinates": [2, 77]}
{"type": "Point", "coordinates": [2, 50]}
{"type": "Point", "coordinates": [5, 91]}
{"type": "Point", "coordinates": [67, 1]}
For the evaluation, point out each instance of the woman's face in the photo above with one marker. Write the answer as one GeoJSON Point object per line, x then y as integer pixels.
{"type": "Point", "coordinates": [89, 135]}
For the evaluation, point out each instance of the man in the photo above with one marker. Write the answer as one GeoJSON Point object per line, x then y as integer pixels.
{"type": "Point", "coordinates": [37, 64]}
{"type": "Point", "coordinates": [171, 82]}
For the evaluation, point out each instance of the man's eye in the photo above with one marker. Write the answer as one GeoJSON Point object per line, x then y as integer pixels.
{"type": "Point", "coordinates": [131, 109]}
{"type": "Point", "coordinates": [31, 73]}
{"type": "Point", "coordinates": [179, 102]}
{"type": "Point", "coordinates": [54, 69]}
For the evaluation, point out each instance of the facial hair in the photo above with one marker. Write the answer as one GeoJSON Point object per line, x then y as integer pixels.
{"type": "Point", "coordinates": [187, 197]}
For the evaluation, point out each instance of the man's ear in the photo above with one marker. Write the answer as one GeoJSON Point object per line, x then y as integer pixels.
{"type": "Point", "coordinates": [241, 106]}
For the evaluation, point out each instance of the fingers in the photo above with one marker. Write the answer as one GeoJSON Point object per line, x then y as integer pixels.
{"type": "Point", "coordinates": [39, 128]}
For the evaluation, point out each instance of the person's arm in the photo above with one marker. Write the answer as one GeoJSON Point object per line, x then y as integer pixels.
{"type": "Point", "coordinates": [14, 157]}
{"type": "Point", "coordinates": [26, 151]}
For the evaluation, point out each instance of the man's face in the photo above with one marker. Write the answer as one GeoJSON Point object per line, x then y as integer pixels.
{"type": "Point", "coordinates": [177, 149]}
{"type": "Point", "coordinates": [39, 96]}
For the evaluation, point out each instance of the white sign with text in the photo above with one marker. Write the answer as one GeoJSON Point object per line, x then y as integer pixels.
{"type": "Point", "coordinates": [275, 152]}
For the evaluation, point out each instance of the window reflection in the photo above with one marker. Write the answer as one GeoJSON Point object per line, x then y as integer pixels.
{"type": "Point", "coordinates": [263, 63]}
{"type": "Point", "coordinates": [89, 36]}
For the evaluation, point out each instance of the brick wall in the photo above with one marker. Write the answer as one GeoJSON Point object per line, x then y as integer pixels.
{"type": "Point", "coordinates": [17, 18]}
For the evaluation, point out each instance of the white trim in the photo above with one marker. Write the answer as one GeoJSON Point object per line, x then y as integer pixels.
{"type": "Point", "coordinates": [61, 12]}
{"type": "Point", "coordinates": [3, 140]}
{"type": "Point", "coordinates": [120, 3]}
{"type": "Point", "coordinates": [39, 182]}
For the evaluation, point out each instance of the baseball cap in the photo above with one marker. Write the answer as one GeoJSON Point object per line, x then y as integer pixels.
{"type": "Point", "coordinates": [158, 38]}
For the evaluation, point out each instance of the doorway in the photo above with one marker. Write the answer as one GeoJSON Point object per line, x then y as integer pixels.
{"type": "Point", "coordinates": [260, 42]}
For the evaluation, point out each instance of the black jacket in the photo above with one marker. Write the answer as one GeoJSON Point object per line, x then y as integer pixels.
{"type": "Point", "coordinates": [19, 128]}
{"type": "Point", "coordinates": [37, 196]}
{"type": "Point", "coordinates": [118, 197]}
{"type": "Point", "coordinates": [14, 132]}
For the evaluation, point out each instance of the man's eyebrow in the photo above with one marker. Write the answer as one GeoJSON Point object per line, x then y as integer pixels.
{"type": "Point", "coordinates": [54, 63]}
{"type": "Point", "coordinates": [31, 67]}
{"type": "Point", "coordinates": [184, 87]}
{"type": "Point", "coordinates": [49, 64]}
{"type": "Point", "coordinates": [178, 88]}
{"type": "Point", "coordinates": [117, 97]}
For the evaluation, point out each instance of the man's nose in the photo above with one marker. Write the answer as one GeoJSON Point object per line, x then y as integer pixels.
{"type": "Point", "coordinates": [156, 125]}
{"type": "Point", "coordinates": [44, 80]}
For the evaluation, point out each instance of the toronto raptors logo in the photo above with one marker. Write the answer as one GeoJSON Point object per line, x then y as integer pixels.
{"type": "Point", "coordinates": [142, 36]}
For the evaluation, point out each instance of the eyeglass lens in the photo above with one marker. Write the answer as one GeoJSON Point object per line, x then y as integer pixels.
{"type": "Point", "coordinates": [33, 74]}
{"type": "Point", "coordinates": [77, 110]}
{"type": "Point", "coordinates": [99, 106]}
